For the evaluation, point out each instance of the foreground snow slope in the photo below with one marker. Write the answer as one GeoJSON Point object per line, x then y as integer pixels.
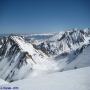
{"type": "Point", "coordinates": [3, 82]}
{"type": "Point", "coordinates": [77, 79]}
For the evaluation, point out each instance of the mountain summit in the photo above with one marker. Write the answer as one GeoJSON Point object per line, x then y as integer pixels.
{"type": "Point", "coordinates": [18, 57]}
{"type": "Point", "coordinates": [65, 42]}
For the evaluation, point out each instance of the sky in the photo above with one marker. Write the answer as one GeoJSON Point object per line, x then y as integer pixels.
{"type": "Point", "coordinates": [37, 16]}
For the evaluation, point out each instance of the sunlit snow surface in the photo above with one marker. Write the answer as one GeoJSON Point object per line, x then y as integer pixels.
{"type": "Point", "coordinates": [3, 82]}
{"type": "Point", "coordinates": [78, 79]}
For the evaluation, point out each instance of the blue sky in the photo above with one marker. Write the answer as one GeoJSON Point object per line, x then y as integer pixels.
{"type": "Point", "coordinates": [37, 16]}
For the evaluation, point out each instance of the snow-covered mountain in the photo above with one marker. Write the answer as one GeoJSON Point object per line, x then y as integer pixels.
{"type": "Point", "coordinates": [18, 58]}
{"type": "Point", "coordinates": [21, 58]}
{"type": "Point", "coordinates": [65, 42]}
{"type": "Point", "coordinates": [68, 48]}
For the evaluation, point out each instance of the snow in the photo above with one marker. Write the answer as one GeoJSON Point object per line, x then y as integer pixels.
{"type": "Point", "coordinates": [3, 82]}
{"type": "Point", "coordinates": [72, 61]}
{"type": "Point", "coordinates": [66, 41]}
{"type": "Point", "coordinates": [56, 36]}
{"type": "Point", "coordinates": [23, 46]}
{"type": "Point", "coordinates": [43, 63]}
{"type": "Point", "coordinates": [77, 79]}
{"type": "Point", "coordinates": [82, 60]}
{"type": "Point", "coordinates": [0, 46]}
{"type": "Point", "coordinates": [40, 67]}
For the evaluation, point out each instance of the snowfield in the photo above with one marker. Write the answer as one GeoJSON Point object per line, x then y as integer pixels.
{"type": "Point", "coordinates": [78, 79]}
{"type": "Point", "coordinates": [3, 82]}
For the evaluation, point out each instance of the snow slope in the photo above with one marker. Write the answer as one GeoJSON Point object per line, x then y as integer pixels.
{"type": "Point", "coordinates": [75, 59]}
{"type": "Point", "coordinates": [3, 82]}
{"type": "Point", "coordinates": [82, 60]}
{"type": "Point", "coordinates": [69, 80]}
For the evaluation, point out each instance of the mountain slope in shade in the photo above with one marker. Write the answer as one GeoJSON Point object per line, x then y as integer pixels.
{"type": "Point", "coordinates": [69, 80]}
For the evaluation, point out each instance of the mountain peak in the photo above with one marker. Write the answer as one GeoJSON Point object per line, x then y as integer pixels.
{"type": "Point", "coordinates": [17, 54]}
{"type": "Point", "coordinates": [65, 41]}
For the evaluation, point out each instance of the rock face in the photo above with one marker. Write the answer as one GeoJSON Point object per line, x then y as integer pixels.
{"type": "Point", "coordinates": [65, 42]}
{"type": "Point", "coordinates": [17, 58]}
